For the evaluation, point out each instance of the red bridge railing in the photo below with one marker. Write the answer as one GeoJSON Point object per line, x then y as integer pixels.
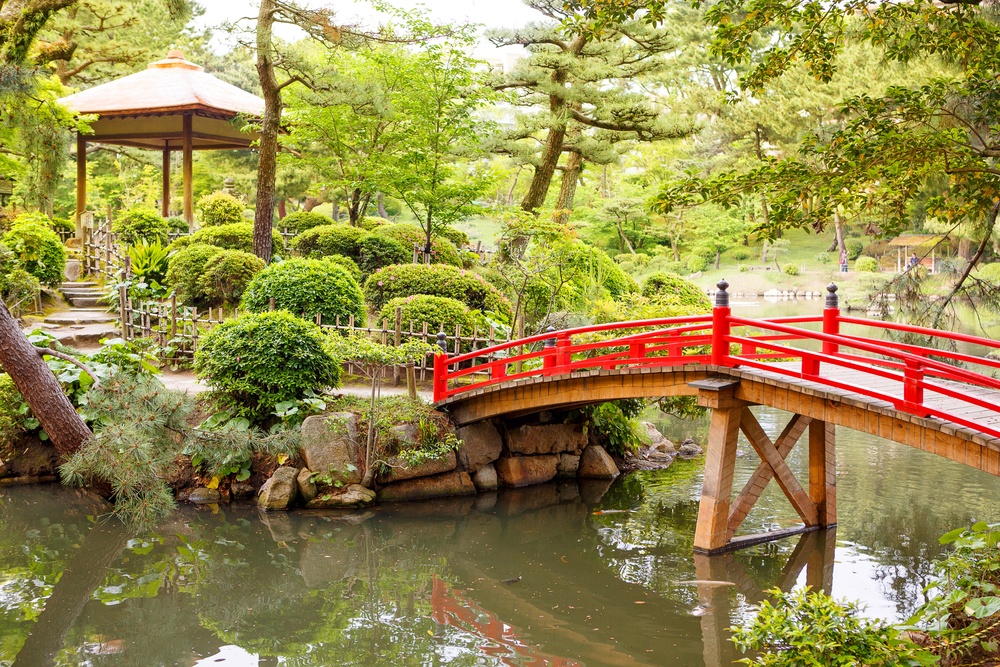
{"type": "Point", "coordinates": [920, 380]}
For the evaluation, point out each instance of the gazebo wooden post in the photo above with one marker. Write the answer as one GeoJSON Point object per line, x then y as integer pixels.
{"type": "Point", "coordinates": [188, 172]}
{"type": "Point", "coordinates": [81, 182]}
{"type": "Point", "coordinates": [165, 207]}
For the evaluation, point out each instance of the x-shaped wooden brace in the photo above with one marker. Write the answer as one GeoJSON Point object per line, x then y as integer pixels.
{"type": "Point", "coordinates": [772, 465]}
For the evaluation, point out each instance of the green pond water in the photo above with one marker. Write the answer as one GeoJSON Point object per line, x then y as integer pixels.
{"type": "Point", "coordinates": [558, 575]}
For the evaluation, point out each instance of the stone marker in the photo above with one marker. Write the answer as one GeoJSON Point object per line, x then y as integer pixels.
{"type": "Point", "coordinates": [485, 478]}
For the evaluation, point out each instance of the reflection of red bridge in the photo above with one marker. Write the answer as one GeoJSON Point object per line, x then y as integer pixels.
{"type": "Point", "coordinates": [451, 608]}
{"type": "Point", "coordinates": [920, 396]}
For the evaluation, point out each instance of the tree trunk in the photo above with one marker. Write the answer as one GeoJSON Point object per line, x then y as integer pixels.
{"type": "Point", "coordinates": [282, 209]}
{"type": "Point", "coordinates": [605, 192]}
{"type": "Point", "coordinates": [335, 210]}
{"type": "Point", "coordinates": [567, 189]}
{"type": "Point", "coordinates": [40, 388]}
{"type": "Point", "coordinates": [965, 249]}
{"type": "Point", "coordinates": [718, 259]}
{"type": "Point", "coordinates": [839, 228]}
{"type": "Point", "coordinates": [626, 244]}
{"type": "Point", "coordinates": [382, 213]}
{"type": "Point", "coordinates": [267, 165]}
{"type": "Point", "coordinates": [546, 169]}
{"type": "Point", "coordinates": [513, 184]}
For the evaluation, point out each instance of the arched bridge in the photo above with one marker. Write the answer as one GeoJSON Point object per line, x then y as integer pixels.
{"type": "Point", "coordinates": [828, 370]}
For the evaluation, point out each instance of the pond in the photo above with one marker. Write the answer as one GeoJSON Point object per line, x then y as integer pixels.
{"type": "Point", "coordinates": [567, 574]}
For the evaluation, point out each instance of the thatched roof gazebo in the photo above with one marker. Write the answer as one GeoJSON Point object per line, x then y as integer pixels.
{"type": "Point", "coordinates": [173, 105]}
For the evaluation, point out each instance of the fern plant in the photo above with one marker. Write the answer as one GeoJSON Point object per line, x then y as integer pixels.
{"type": "Point", "coordinates": [149, 261]}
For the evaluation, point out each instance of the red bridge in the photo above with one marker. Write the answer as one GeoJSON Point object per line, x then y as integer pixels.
{"type": "Point", "coordinates": [945, 401]}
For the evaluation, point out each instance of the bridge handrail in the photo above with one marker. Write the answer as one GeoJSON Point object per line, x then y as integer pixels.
{"type": "Point", "coordinates": [925, 331]}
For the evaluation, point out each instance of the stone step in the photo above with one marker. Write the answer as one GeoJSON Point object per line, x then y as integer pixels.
{"type": "Point", "coordinates": [76, 285]}
{"type": "Point", "coordinates": [79, 336]}
{"type": "Point", "coordinates": [79, 316]}
{"type": "Point", "coordinates": [84, 301]}
{"type": "Point", "coordinates": [81, 294]}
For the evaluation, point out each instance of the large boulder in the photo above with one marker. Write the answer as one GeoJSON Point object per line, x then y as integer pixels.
{"type": "Point", "coordinates": [457, 483]}
{"type": "Point", "coordinates": [485, 478]}
{"type": "Point", "coordinates": [352, 495]}
{"type": "Point", "coordinates": [527, 470]}
{"type": "Point", "coordinates": [307, 487]}
{"type": "Point", "coordinates": [481, 445]}
{"type": "Point", "coordinates": [689, 449]}
{"type": "Point", "coordinates": [398, 470]}
{"type": "Point", "coordinates": [204, 496]}
{"type": "Point", "coordinates": [533, 439]}
{"type": "Point", "coordinates": [330, 445]}
{"type": "Point", "coordinates": [279, 492]}
{"type": "Point", "coordinates": [595, 463]}
{"type": "Point", "coordinates": [568, 466]}
{"type": "Point", "coordinates": [657, 441]}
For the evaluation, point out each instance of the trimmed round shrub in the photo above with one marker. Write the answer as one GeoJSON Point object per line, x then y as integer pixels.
{"type": "Point", "coordinates": [404, 280]}
{"type": "Point", "coordinates": [854, 248]}
{"type": "Point", "coordinates": [226, 276]}
{"type": "Point", "coordinates": [443, 251]}
{"type": "Point", "coordinates": [230, 237]}
{"type": "Point", "coordinates": [824, 258]}
{"type": "Point", "coordinates": [989, 272]}
{"type": "Point", "coordinates": [375, 252]}
{"type": "Point", "coordinates": [63, 225]}
{"type": "Point", "coordinates": [300, 221]}
{"type": "Point", "coordinates": [177, 225]}
{"type": "Point", "coordinates": [670, 287]}
{"type": "Point", "coordinates": [38, 250]}
{"type": "Point", "coordinates": [440, 313]}
{"type": "Point", "coordinates": [456, 236]}
{"type": "Point", "coordinates": [261, 359]}
{"type": "Point", "coordinates": [599, 266]}
{"type": "Point", "coordinates": [220, 208]}
{"type": "Point", "coordinates": [696, 263]}
{"type": "Point", "coordinates": [329, 239]}
{"type": "Point", "coordinates": [790, 269]}
{"type": "Point", "coordinates": [185, 270]}
{"type": "Point", "coordinates": [372, 222]}
{"type": "Point", "coordinates": [347, 263]}
{"type": "Point", "coordinates": [140, 224]}
{"type": "Point", "coordinates": [741, 254]}
{"type": "Point", "coordinates": [307, 287]}
{"type": "Point", "coordinates": [866, 265]}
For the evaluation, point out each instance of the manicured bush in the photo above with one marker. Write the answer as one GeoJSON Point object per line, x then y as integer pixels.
{"type": "Point", "coordinates": [231, 237]}
{"type": "Point", "coordinates": [443, 251]}
{"type": "Point", "coordinates": [347, 263]}
{"type": "Point", "coordinates": [989, 272]}
{"type": "Point", "coordinates": [185, 270]}
{"type": "Point", "coordinates": [372, 222]}
{"type": "Point", "coordinates": [404, 280]}
{"type": "Point", "coordinates": [696, 263]}
{"type": "Point", "coordinates": [307, 287]}
{"type": "Point", "coordinates": [178, 225]}
{"type": "Point", "coordinates": [64, 225]}
{"type": "Point", "coordinates": [17, 287]}
{"type": "Point", "coordinates": [866, 265]}
{"type": "Point", "coordinates": [741, 254]}
{"type": "Point", "coordinates": [220, 208]}
{"type": "Point", "coordinates": [330, 239]}
{"type": "Point", "coordinates": [300, 221]}
{"type": "Point", "coordinates": [227, 275]}
{"type": "Point", "coordinates": [140, 224]}
{"type": "Point", "coordinates": [456, 236]}
{"type": "Point", "coordinates": [854, 248]}
{"type": "Point", "coordinates": [599, 267]}
{"type": "Point", "coordinates": [261, 359]}
{"type": "Point", "coordinates": [375, 252]}
{"type": "Point", "coordinates": [824, 258]}
{"type": "Point", "coordinates": [671, 288]}
{"type": "Point", "coordinates": [790, 269]}
{"type": "Point", "coordinates": [38, 250]}
{"type": "Point", "coordinates": [436, 311]}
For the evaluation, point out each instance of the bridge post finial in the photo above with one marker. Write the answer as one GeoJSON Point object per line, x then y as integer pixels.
{"type": "Point", "coordinates": [832, 301]}
{"type": "Point", "coordinates": [550, 342]}
{"type": "Point", "coordinates": [722, 296]}
{"type": "Point", "coordinates": [442, 341]}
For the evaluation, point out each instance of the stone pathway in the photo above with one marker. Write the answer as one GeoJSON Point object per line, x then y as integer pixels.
{"type": "Point", "coordinates": [83, 324]}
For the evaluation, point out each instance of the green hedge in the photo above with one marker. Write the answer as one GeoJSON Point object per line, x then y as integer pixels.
{"type": "Point", "coordinates": [376, 252]}
{"type": "Point", "coordinates": [231, 237]}
{"type": "Point", "coordinates": [262, 359]}
{"type": "Point", "coordinates": [226, 276]}
{"type": "Point", "coordinates": [443, 251]}
{"type": "Point", "coordinates": [606, 272]}
{"type": "Point", "coordinates": [404, 280]}
{"type": "Point", "coordinates": [219, 209]}
{"type": "Point", "coordinates": [671, 288]}
{"type": "Point", "coordinates": [440, 313]}
{"type": "Point", "coordinates": [329, 239]}
{"type": "Point", "coordinates": [185, 269]}
{"type": "Point", "coordinates": [307, 287]}
{"type": "Point", "coordinates": [372, 222]}
{"type": "Point", "coordinates": [300, 221]}
{"type": "Point", "coordinates": [866, 265]}
{"type": "Point", "coordinates": [140, 224]}
{"type": "Point", "coordinates": [38, 250]}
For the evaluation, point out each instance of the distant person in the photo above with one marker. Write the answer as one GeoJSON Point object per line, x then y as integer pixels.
{"type": "Point", "coordinates": [913, 261]}
{"type": "Point", "coordinates": [843, 261]}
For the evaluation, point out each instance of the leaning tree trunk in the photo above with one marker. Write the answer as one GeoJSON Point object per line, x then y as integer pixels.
{"type": "Point", "coordinates": [567, 188]}
{"type": "Point", "coordinates": [40, 389]}
{"type": "Point", "coordinates": [267, 164]}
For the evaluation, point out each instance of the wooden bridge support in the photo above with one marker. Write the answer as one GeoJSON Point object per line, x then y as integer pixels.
{"type": "Point", "coordinates": [720, 516]}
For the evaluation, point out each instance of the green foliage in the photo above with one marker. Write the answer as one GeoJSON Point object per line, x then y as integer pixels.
{"type": "Point", "coordinates": [404, 280]}
{"type": "Point", "coordinates": [376, 252]}
{"type": "Point", "coordinates": [237, 236]}
{"type": "Point", "coordinates": [866, 265]}
{"type": "Point", "coordinates": [370, 223]}
{"type": "Point", "coordinates": [696, 263]}
{"type": "Point", "coordinates": [140, 224]}
{"type": "Point", "coordinates": [177, 225]}
{"type": "Point", "coordinates": [854, 248]}
{"type": "Point", "coordinates": [602, 271]}
{"type": "Point", "coordinates": [220, 208]}
{"type": "Point", "coordinates": [185, 270]}
{"type": "Point", "coordinates": [10, 416]}
{"type": "Point", "coordinates": [741, 254]}
{"type": "Point", "coordinates": [456, 236]}
{"type": "Point", "coordinates": [226, 276]}
{"type": "Point", "coordinates": [299, 221]}
{"type": "Point", "coordinates": [17, 287]}
{"type": "Point", "coordinates": [38, 250]}
{"type": "Point", "coordinates": [805, 628]}
{"type": "Point", "coordinates": [443, 251]}
{"type": "Point", "coordinates": [436, 311]}
{"type": "Point", "coordinates": [617, 426]}
{"type": "Point", "coordinates": [347, 263]}
{"type": "Point", "coordinates": [671, 288]}
{"type": "Point", "coordinates": [989, 272]}
{"type": "Point", "coordinates": [260, 360]}
{"type": "Point", "coordinates": [149, 260]}
{"type": "Point", "coordinates": [223, 445]}
{"type": "Point", "coordinates": [824, 258]}
{"type": "Point", "coordinates": [307, 287]}
{"type": "Point", "coordinates": [790, 269]}
{"type": "Point", "coordinates": [328, 239]}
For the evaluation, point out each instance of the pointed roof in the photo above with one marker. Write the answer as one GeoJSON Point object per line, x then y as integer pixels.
{"type": "Point", "coordinates": [166, 87]}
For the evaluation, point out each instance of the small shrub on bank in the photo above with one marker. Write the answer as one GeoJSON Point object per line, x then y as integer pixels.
{"type": "Point", "coordinates": [741, 254]}
{"type": "Point", "coordinates": [671, 288]}
{"type": "Point", "coordinates": [404, 280]}
{"type": "Point", "coordinates": [866, 265]}
{"type": "Point", "coordinates": [440, 313]}
{"type": "Point", "coordinates": [226, 276]}
{"type": "Point", "coordinates": [376, 252]}
{"type": "Point", "coordinates": [790, 269]}
{"type": "Point", "coordinates": [329, 239]}
{"type": "Point", "coordinates": [616, 425]}
{"type": "Point", "coordinates": [220, 208]}
{"type": "Point", "coordinates": [306, 287]}
{"type": "Point", "coordinates": [38, 250]}
{"type": "Point", "coordinates": [262, 359]}
{"type": "Point", "coordinates": [696, 263]}
{"type": "Point", "coordinates": [349, 264]}
{"type": "Point", "coordinates": [140, 224]}
{"type": "Point", "coordinates": [231, 237]}
{"type": "Point", "coordinates": [300, 221]}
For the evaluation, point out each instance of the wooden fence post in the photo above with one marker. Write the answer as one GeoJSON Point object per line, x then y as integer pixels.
{"type": "Point", "coordinates": [122, 309]}
{"type": "Point", "coordinates": [397, 340]}
{"type": "Point", "coordinates": [173, 315]}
